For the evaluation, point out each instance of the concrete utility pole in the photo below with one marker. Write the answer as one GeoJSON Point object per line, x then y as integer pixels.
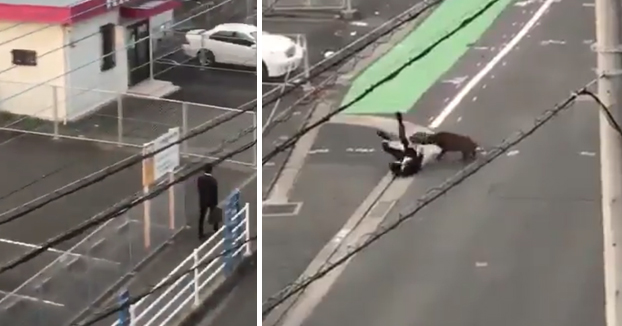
{"type": "Point", "coordinates": [609, 49]}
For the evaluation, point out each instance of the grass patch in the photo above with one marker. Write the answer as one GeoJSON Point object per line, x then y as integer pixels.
{"type": "Point", "coordinates": [20, 121]}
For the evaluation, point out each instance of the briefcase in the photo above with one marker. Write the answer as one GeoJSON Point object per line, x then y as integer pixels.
{"type": "Point", "coordinates": [215, 216]}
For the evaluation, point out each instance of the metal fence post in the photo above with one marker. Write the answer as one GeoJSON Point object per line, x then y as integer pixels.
{"type": "Point", "coordinates": [307, 65]}
{"type": "Point", "coordinates": [196, 277]}
{"type": "Point", "coordinates": [247, 220]}
{"type": "Point", "coordinates": [184, 126]}
{"type": "Point", "coordinates": [55, 111]}
{"type": "Point", "coordinates": [255, 155]}
{"type": "Point", "coordinates": [119, 120]}
{"type": "Point", "coordinates": [151, 55]}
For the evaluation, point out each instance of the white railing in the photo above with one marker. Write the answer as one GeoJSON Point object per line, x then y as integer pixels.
{"type": "Point", "coordinates": [158, 309]}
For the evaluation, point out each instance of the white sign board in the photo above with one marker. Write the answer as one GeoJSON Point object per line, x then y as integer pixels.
{"type": "Point", "coordinates": [167, 160]}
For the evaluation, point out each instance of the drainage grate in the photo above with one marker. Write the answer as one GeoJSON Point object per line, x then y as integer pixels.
{"type": "Point", "coordinates": [288, 209]}
{"type": "Point", "coordinates": [381, 209]}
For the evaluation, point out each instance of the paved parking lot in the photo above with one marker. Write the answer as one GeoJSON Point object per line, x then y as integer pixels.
{"type": "Point", "coordinates": [215, 91]}
{"type": "Point", "coordinates": [32, 166]}
{"type": "Point", "coordinates": [35, 165]}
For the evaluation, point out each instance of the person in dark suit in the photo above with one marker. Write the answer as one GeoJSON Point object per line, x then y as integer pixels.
{"type": "Point", "coordinates": [408, 157]}
{"type": "Point", "coordinates": [208, 200]}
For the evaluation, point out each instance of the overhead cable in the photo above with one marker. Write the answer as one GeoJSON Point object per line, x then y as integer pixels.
{"type": "Point", "coordinates": [101, 175]}
{"type": "Point", "coordinates": [119, 209]}
{"type": "Point", "coordinates": [294, 138]}
{"type": "Point", "coordinates": [433, 194]}
{"type": "Point", "coordinates": [172, 279]}
{"type": "Point", "coordinates": [23, 210]}
{"type": "Point", "coordinates": [299, 82]}
{"type": "Point", "coordinates": [125, 47]}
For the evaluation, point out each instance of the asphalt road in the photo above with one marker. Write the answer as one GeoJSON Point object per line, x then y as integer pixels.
{"type": "Point", "coordinates": [519, 243]}
{"type": "Point", "coordinates": [57, 292]}
{"type": "Point", "coordinates": [323, 37]}
{"type": "Point", "coordinates": [331, 184]}
{"type": "Point", "coordinates": [239, 308]}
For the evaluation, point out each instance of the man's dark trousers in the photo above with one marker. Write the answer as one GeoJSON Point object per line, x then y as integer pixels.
{"type": "Point", "coordinates": [208, 201]}
{"type": "Point", "coordinates": [212, 218]}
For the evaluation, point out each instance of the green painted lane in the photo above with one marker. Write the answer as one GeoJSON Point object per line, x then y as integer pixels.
{"type": "Point", "coordinates": [404, 91]}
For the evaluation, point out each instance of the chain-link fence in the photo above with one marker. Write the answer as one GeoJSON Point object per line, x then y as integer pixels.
{"type": "Point", "coordinates": [271, 6]}
{"type": "Point", "coordinates": [86, 273]}
{"type": "Point", "coordinates": [133, 120]}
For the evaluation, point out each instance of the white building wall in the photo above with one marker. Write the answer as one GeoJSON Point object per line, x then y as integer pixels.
{"type": "Point", "coordinates": [88, 87]}
{"type": "Point", "coordinates": [19, 90]}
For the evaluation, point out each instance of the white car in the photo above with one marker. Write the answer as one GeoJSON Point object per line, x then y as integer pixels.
{"type": "Point", "coordinates": [236, 44]}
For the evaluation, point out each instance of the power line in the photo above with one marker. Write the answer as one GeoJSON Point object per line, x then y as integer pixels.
{"type": "Point", "coordinates": [370, 41]}
{"type": "Point", "coordinates": [104, 313]}
{"type": "Point", "coordinates": [292, 140]}
{"type": "Point", "coordinates": [434, 193]}
{"type": "Point", "coordinates": [49, 25]}
{"type": "Point", "coordinates": [119, 209]}
{"type": "Point", "coordinates": [101, 175]}
{"type": "Point", "coordinates": [427, 5]}
{"type": "Point", "coordinates": [37, 180]}
{"type": "Point", "coordinates": [98, 58]}
{"type": "Point", "coordinates": [111, 170]}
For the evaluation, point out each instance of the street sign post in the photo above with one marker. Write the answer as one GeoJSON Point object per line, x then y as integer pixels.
{"type": "Point", "coordinates": [155, 168]}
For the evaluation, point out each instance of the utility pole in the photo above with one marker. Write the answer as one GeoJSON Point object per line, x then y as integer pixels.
{"type": "Point", "coordinates": [609, 49]}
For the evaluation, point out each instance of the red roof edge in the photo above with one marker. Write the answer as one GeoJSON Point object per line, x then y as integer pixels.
{"type": "Point", "coordinates": [141, 13]}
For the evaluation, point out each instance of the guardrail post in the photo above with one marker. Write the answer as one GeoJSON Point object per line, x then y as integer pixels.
{"type": "Point", "coordinates": [197, 300]}
{"type": "Point", "coordinates": [247, 221]}
{"type": "Point", "coordinates": [119, 120]}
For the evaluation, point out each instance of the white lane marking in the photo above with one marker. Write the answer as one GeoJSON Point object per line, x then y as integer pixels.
{"type": "Point", "coordinates": [360, 150]}
{"type": "Point", "coordinates": [547, 42]}
{"type": "Point", "coordinates": [491, 64]}
{"type": "Point", "coordinates": [29, 298]}
{"type": "Point", "coordinates": [56, 251]}
{"type": "Point", "coordinates": [319, 150]}
{"type": "Point", "coordinates": [457, 81]}
{"type": "Point", "coordinates": [524, 3]}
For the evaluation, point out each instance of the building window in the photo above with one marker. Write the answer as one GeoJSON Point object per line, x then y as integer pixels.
{"type": "Point", "coordinates": [108, 54]}
{"type": "Point", "coordinates": [24, 57]}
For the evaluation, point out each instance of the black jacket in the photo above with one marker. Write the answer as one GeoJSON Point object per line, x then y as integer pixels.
{"type": "Point", "coordinates": [208, 190]}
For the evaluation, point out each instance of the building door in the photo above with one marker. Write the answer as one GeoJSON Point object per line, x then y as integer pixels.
{"type": "Point", "coordinates": [138, 55]}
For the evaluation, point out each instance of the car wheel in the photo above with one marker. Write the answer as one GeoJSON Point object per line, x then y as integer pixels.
{"type": "Point", "coordinates": [206, 57]}
{"type": "Point", "coordinates": [264, 71]}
